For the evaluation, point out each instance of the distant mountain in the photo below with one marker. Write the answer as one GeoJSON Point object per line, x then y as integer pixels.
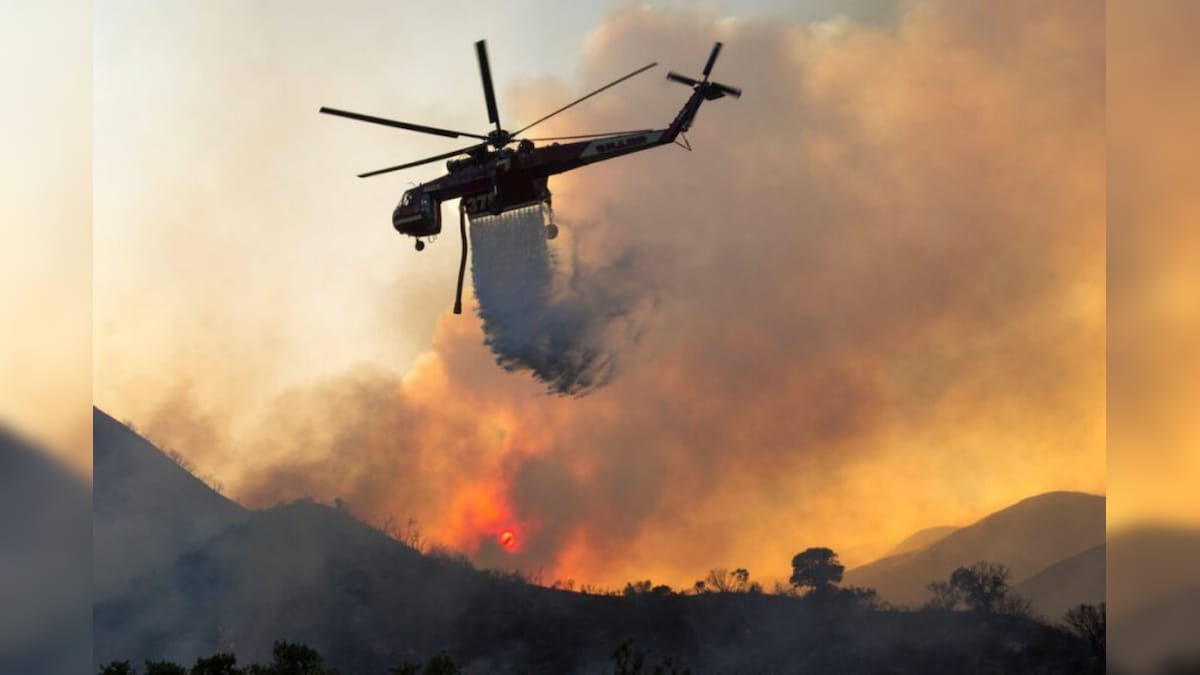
{"type": "Point", "coordinates": [146, 508]}
{"type": "Point", "coordinates": [1028, 536]}
{"type": "Point", "coordinates": [1067, 583]}
{"type": "Point", "coordinates": [312, 573]}
{"type": "Point", "coordinates": [921, 539]}
{"type": "Point", "coordinates": [45, 556]}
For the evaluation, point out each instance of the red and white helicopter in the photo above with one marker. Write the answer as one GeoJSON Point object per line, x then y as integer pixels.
{"type": "Point", "coordinates": [493, 178]}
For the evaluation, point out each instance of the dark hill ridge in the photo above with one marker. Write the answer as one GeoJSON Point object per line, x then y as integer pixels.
{"type": "Point", "coordinates": [1028, 536]}
{"type": "Point", "coordinates": [313, 573]}
{"type": "Point", "coordinates": [1067, 583]}
{"type": "Point", "coordinates": [145, 507]}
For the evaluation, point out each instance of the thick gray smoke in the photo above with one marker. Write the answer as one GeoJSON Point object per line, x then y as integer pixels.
{"type": "Point", "coordinates": [566, 327]}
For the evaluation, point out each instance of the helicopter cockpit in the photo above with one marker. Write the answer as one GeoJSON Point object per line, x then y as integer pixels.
{"type": "Point", "coordinates": [417, 214]}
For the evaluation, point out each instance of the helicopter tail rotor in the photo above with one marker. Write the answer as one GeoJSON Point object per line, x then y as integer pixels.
{"type": "Point", "coordinates": [711, 90]}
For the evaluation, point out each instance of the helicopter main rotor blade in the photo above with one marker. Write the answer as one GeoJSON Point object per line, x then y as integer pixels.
{"type": "Point", "coordinates": [712, 59]}
{"type": "Point", "coordinates": [399, 125]}
{"type": "Point", "coordinates": [485, 73]}
{"type": "Point", "coordinates": [581, 100]}
{"type": "Point", "coordinates": [607, 133]}
{"type": "Point", "coordinates": [676, 77]}
{"type": "Point", "coordinates": [427, 160]}
{"type": "Point", "coordinates": [726, 89]}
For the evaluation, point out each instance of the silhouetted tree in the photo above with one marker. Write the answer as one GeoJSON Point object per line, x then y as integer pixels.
{"type": "Point", "coordinates": [1088, 622]}
{"type": "Point", "coordinates": [984, 587]}
{"type": "Point", "coordinates": [722, 580]}
{"type": "Point", "coordinates": [164, 668]}
{"type": "Point", "coordinates": [719, 580]}
{"type": "Point", "coordinates": [861, 596]}
{"type": "Point", "coordinates": [117, 667]}
{"type": "Point", "coordinates": [217, 664]}
{"type": "Point", "coordinates": [817, 569]}
{"type": "Point", "coordinates": [292, 658]}
{"type": "Point", "coordinates": [183, 462]}
{"type": "Point", "coordinates": [944, 597]}
{"type": "Point", "coordinates": [441, 664]}
{"type": "Point", "coordinates": [637, 588]}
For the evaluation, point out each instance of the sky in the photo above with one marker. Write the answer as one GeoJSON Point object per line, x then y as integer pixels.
{"type": "Point", "coordinates": [871, 300]}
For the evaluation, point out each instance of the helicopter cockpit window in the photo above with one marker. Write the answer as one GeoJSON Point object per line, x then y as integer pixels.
{"type": "Point", "coordinates": [407, 199]}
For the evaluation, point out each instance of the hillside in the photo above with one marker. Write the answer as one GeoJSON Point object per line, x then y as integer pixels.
{"type": "Point", "coordinates": [1067, 583]}
{"type": "Point", "coordinates": [146, 508]}
{"type": "Point", "coordinates": [921, 539]}
{"type": "Point", "coordinates": [1028, 536]}
{"type": "Point", "coordinates": [312, 573]}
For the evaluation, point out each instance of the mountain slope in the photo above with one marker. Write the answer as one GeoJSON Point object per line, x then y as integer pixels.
{"type": "Point", "coordinates": [145, 507]}
{"type": "Point", "coordinates": [921, 539]}
{"type": "Point", "coordinates": [1028, 536]}
{"type": "Point", "coordinates": [1067, 583]}
{"type": "Point", "coordinates": [312, 573]}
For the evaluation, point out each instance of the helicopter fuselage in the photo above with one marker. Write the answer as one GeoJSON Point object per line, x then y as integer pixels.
{"type": "Point", "coordinates": [504, 180]}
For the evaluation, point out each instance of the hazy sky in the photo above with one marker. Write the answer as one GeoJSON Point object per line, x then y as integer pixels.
{"type": "Point", "coordinates": [877, 284]}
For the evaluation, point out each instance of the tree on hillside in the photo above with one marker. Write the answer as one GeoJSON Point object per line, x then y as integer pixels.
{"type": "Point", "coordinates": [293, 658]}
{"type": "Point", "coordinates": [645, 587]}
{"type": "Point", "coordinates": [217, 664]}
{"type": "Point", "coordinates": [164, 668]}
{"type": "Point", "coordinates": [633, 588]}
{"type": "Point", "coordinates": [1088, 622]}
{"type": "Point", "coordinates": [117, 667]}
{"type": "Point", "coordinates": [944, 597]}
{"type": "Point", "coordinates": [980, 587]}
{"type": "Point", "coordinates": [722, 580]}
{"type": "Point", "coordinates": [441, 664]}
{"type": "Point", "coordinates": [817, 569]}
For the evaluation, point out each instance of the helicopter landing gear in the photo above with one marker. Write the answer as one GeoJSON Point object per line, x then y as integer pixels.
{"type": "Point", "coordinates": [420, 246]}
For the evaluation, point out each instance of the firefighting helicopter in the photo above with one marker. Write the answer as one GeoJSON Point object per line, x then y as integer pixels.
{"type": "Point", "coordinates": [492, 178]}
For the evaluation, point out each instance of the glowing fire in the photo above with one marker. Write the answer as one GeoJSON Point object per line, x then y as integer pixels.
{"type": "Point", "coordinates": [507, 539]}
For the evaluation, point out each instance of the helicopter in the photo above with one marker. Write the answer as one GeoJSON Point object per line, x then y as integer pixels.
{"type": "Point", "coordinates": [490, 177]}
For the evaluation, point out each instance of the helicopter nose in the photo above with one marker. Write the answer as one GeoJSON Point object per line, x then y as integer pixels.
{"type": "Point", "coordinates": [396, 215]}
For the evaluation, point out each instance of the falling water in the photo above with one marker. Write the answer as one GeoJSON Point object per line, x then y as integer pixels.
{"type": "Point", "coordinates": [559, 327]}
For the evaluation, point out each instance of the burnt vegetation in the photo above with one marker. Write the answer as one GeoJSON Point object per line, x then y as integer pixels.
{"type": "Point", "coordinates": [433, 613]}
